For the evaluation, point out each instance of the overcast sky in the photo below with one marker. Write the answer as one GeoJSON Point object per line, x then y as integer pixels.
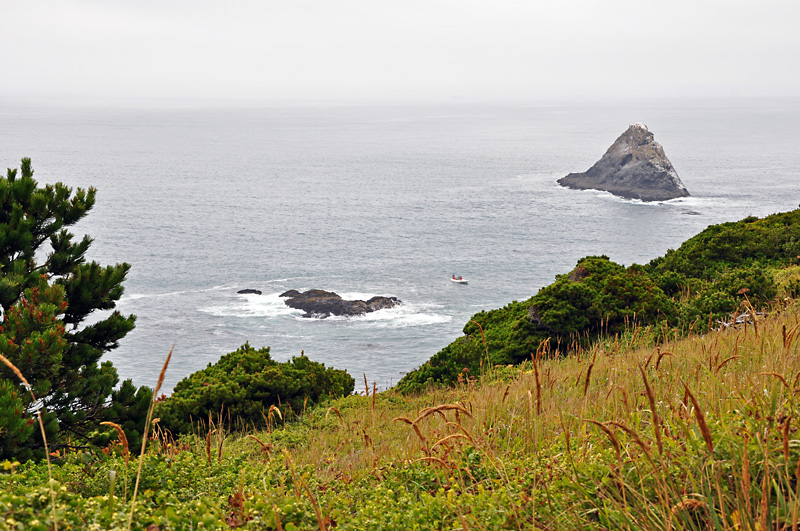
{"type": "Point", "coordinates": [353, 49]}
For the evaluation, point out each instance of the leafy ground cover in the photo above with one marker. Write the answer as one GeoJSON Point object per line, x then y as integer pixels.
{"type": "Point", "coordinates": [696, 433]}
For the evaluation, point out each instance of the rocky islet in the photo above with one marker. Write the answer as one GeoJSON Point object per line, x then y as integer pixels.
{"type": "Point", "coordinates": [321, 304]}
{"type": "Point", "coordinates": [634, 167]}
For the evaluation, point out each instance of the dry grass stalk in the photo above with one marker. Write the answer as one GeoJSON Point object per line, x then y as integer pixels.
{"type": "Point", "coordinates": [416, 429]}
{"type": "Point", "coordinates": [530, 405]}
{"type": "Point", "coordinates": [366, 385]}
{"type": "Point", "coordinates": [588, 377]}
{"type": "Point", "coordinates": [144, 435]}
{"type": "Point", "coordinates": [464, 524]}
{"type": "Point", "coordinates": [265, 447]}
{"type": "Point", "coordinates": [765, 486]}
{"type": "Point", "coordinates": [656, 420]}
{"type": "Point", "coordinates": [450, 437]}
{"type": "Point", "coordinates": [755, 320]}
{"type": "Point", "coordinates": [633, 435]}
{"type": "Point", "coordinates": [162, 374]}
{"type": "Point", "coordinates": [696, 511]}
{"type": "Point", "coordinates": [726, 360]}
{"type": "Point", "coordinates": [18, 373]}
{"type": "Point", "coordinates": [779, 377]}
{"type": "Point", "coordinates": [635, 333]}
{"type": "Point", "coordinates": [746, 477]}
{"type": "Point", "coordinates": [790, 336]}
{"type": "Point", "coordinates": [320, 520]}
{"type": "Point", "coordinates": [624, 397]}
{"type": "Point", "coordinates": [538, 386]}
{"type": "Point", "coordinates": [463, 430]}
{"type": "Point", "coordinates": [661, 356]}
{"type": "Point", "coordinates": [24, 381]}
{"type": "Point", "coordinates": [335, 411]}
{"type": "Point", "coordinates": [610, 435]}
{"type": "Point", "coordinates": [483, 337]}
{"type": "Point", "coordinates": [458, 408]}
{"type": "Point", "coordinates": [438, 409]}
{"type": "Point", "coordinates": [505, 394]}
{"type": "Point", "coordinates": [795, 508]}
{"type": "Point", "coordinates": [208, 445]}
{"type": "Point", "coordinates": [701, 420]}
{"type": "Point", "coordinates": [785, 434]}
{"type": "Point", "coordinates": [122, 439]}
{"type": "Point", "coordinates": [276, 410]}
{"type": "Point", "coordinates": [367, 438]}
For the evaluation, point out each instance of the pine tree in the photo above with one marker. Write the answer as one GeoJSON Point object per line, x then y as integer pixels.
{"type": "Point", "coordinates": [46, 296]}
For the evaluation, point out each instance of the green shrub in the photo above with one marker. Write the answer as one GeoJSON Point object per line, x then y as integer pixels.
{"type": "Point", "coordinates": [598, 296]}
{"type": "Point", "coordinates": [787, 281]}
{"type": "Point", "coordinates": [772, 242]}
{"type": "Point", "coordinates": [244, 384]}
{"type": "Point", "coordinates": [510, 337]}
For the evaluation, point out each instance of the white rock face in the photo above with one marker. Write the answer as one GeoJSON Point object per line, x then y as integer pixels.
{"type": "Point", "coordinates": [634, 167]}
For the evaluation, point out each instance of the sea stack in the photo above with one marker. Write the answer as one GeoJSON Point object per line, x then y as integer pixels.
{"type": "Point", "coordinates": [634, 167]}
{"type": "Point", "coordinates": [321, 304]}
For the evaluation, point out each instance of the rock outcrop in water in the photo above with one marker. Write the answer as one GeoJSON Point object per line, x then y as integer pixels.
{"type": "Point", "coordinates": [634, 167]}
{"type": "Point", "coordinates": [322, 304]}
{"type": "Point", "coordinates": [249, 291]}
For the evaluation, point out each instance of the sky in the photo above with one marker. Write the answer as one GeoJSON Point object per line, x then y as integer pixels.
{"type": "Point", "coordinates": [243, 50]}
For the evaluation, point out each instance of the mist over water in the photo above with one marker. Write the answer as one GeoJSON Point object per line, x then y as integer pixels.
{"type": "Point", "coordinates": [377, 200]}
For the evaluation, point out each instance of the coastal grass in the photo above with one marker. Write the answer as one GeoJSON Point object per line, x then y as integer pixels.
{"type": "Point", "coordinates": [686, 434]}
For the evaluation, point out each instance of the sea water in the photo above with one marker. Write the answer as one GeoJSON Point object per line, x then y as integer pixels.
{"type": "Point", "coordinates": [376, 199]}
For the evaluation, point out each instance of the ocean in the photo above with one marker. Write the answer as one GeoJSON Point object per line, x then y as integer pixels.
{"type": "Point", "coordinates": [376, 199]}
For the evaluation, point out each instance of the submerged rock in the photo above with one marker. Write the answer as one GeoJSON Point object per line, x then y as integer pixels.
{"type": "Point", "coordinates": [322, 304]}
{"type": "Point", "coordinates": [634, 167]}
{"type": "Point", "coordinates": [249, 291]}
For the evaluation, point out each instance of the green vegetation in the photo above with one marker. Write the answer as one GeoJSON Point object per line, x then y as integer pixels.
{"type": "Point", "coordinates": [46, 294]}
{"type": "Point", "coordinates": [245, 384]}
{"type": "Point", "coordinates": [698, 433]}
{"type": "Point", "coordinates": [727, 268]}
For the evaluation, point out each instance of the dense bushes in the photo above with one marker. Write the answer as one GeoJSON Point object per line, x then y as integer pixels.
{"type": "Point", "coordinates": [771, 241]}
{"type": "Point", "coordinates": [600, 295]}
{"type": "Point", "coordinates": [244, 384]}
{"type": "Point", "coordinates": [727, 265]}
{"type": "Point", "coordinates": [709, 277]}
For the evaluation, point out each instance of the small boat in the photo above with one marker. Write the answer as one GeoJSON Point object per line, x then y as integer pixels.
{"type": "Point", "coordinates": [459, 280]}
